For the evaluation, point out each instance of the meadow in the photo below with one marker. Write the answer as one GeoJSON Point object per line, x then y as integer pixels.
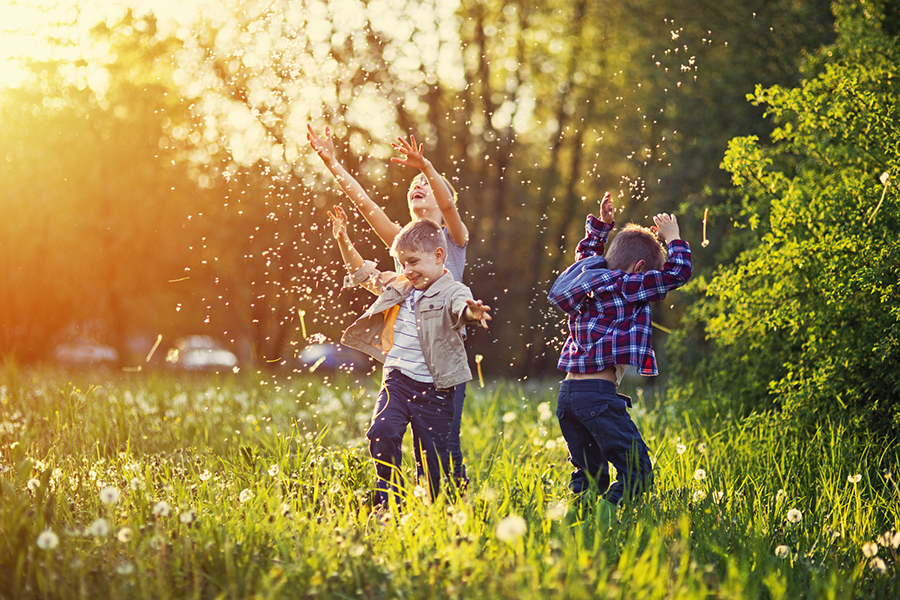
{"type": "Point", "coordinates": [137, 485]}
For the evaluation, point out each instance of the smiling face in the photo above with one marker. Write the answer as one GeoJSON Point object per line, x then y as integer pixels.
{"type": "Point", "coordinates": [421, 268]}
{"type": "Point", "coordinates": [420, 198]}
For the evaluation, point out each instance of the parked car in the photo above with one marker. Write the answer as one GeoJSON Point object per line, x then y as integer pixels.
{"type": "Point", "coordinates": [201, 353]}
{"type": "Point", "coordinates": [84, 352]}
{"type": "Point", "coordinates": [333, 358]}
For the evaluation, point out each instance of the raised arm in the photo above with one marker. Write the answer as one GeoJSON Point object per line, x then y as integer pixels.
{"type": "Point", "coordinates": [653, 285]}
{"type": "Point", "coordinates": [597, 230]}
{"type": "Point", "coordinates": [352, 258]}
{"type": "Point", "coordinates": [413, 157]}
{"type": "Point", "coordinates": [371, 212]}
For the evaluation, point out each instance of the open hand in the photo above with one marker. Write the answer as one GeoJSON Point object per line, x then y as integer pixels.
{"type": "Point", "coordinates": [607, 211]}
{"type": "Point", "coordinates": [413, 156]}
{"type": "Point", "coordinates": [478, 312]}
{"type": "Point", "coordinates": [339, 223]}
{"type": "Point", "coordinates": [323, 146]}
{"type": "Point", "coordinates": [666, 227]}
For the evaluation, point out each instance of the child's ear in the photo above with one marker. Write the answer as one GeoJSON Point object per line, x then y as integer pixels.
{"type": "Point", "coordinates": [640, 266]}
{"type": "Point", "coordinates": [439, 254]}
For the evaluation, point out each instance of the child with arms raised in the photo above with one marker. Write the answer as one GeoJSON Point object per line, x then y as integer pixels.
{"type": "Point", "coordinates": [607, 300]}
{"type": "Point", "coordinates": [430, 196]}
{"type": "Point", "coordinates": [413, 327]}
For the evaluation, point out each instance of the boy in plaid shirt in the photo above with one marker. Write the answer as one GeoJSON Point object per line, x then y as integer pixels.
{"type": "Point", "coordinates": [607, 300]}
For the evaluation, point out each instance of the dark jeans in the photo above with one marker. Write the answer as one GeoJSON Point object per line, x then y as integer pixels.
{"type": "Point", "coordinates": [456, 457]}
{"type": "Point", "coordinates": [401, 402]}
{"type": "Point", "coordinates": [594, 420]}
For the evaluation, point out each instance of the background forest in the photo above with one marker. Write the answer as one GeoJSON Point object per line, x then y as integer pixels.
{"type": "Point", "coordinates": [156, 178]}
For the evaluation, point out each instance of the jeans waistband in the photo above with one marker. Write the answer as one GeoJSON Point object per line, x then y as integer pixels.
{"type": "Point", "coordinates": [416, 385]}
{"type": "Point", "coordinates": [601, 386]}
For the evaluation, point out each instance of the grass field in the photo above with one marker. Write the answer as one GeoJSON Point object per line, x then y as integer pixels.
{"type": "Point", "coordinates": [155, 486]}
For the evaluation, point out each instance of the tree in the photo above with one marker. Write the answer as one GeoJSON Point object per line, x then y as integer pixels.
{"type": "Point", "coordinates": [807, 319]}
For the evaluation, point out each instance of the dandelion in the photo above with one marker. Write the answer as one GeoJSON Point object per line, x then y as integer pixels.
{"type": "Point", "coordinates": [99, 528]}
{"type": "Point", "coordinates": [125, 535]}
{"type": "Point", "coordinates": [794, 516]}
{"type": "Point", "coordinates": [33, 484]}
{"type": "Point", "coordinates": [885, 538]}
{"type": "Point", "coordinates": [870, 549]}
{"type": "Point", "coordinates": [356, 550]}
{"type": "Point", "coordinates": [459, 518]}
{"type": "Point", "coordinates": [420, 492]}
{"type": "Point", "coordinates": [876, 564]}
{"type": "Point", "coordinates": [680, 448]}
{"type": "Point", "coordinates": [556, 511]}
{"type": "Point", "coordinates": [205, 475]}
{"type": "Point", "coordinates": [162, 509]}
{"type": "Point", "coordinates": [109, 495]}
{"type": "Point", "coordinates": [718, 496]}
{"type": "Point", "coordinates": [698, 495]}
{"type": "Point", "coordinates": [701, 447]}
{"type": "Point", "coordinates": [245, 496]}
{"type": "Point", "coordinates": [47, 540]}
{"type": "Point", "coordinates": [780, 495]}
{"type": "Point", "coordinates": [136, 484]}
{"type": "Point", "coordinates": [511, 527]}
{"type": "Point", "coordinates": [884, 178]}
{"type": "Point", "coordinates": [125, 568]}
{"type": "Point", "coordinates": [544, 413]}
{"type": "Point", "coordinates": [478, 359]}
{"type": "Point", "coordinates": [854, 478]}
{"type": "Point", "coordinates": [273, 471]}
{"type": "Point", "coordinates": [187, 516]}
{"type": "Point", "coordinates": [550, 445]}
{"type": "Point", "coordinates": [699, 474]}
{"type": "Point", "coordinates": [509, 417]}
{"type": "Point", "coordinates": [782, 551]}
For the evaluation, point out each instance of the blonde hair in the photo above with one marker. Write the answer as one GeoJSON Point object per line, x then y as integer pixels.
{"type": "Point", "coordinates": [636, 243]}
{"type": "Point", "coordinates": [423, 235]}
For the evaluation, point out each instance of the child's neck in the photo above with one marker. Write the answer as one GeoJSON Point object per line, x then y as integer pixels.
{"type": "Point", "coordinates": [432, 215]}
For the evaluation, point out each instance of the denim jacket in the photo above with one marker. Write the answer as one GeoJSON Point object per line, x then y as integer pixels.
{"type": "Point", "coordinates": [440, 317]}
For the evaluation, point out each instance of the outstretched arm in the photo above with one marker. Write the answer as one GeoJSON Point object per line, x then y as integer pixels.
{"type": "Point", "coordinates": [476, 311]}
{"type": "Point", "coordinates": [380, 222]}
{"type": "Point", "coordinates": [351, 256]}
{"type": "Point", "coordinates": [597, 230]}
{"type": "Point", "coordinates": [415, 158]}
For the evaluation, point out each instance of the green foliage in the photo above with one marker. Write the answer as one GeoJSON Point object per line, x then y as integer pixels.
{"type": "Point", "coordinates": [807, 318]}
{"type": "Point", "coordinates": [267, 492]}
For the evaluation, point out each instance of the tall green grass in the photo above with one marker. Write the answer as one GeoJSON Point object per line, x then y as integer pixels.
{"type": "Point", "coordinates": [250, 487]}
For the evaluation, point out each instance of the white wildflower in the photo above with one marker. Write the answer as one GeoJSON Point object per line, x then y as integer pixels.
{"type": "Point", "coordinates": [511, 527]}
{"type": "Point", "coordinates": [47, 540]}
{"type": "Point", "coordinates": [109, 495]}
{"type": "Point", "coordinates": [782, 551]}
{"type": "Point", "coordinates": [699, 474]}
{"type": "Point", "coordinates": [245, 495]}
{"type": "Point", "coordinates": [99, 528]}
{"type": "Point", "coordinates": [794, 516]}
{"type": "Point", "coordinates": [125, 535]}
{"type": "Point", "coordinates": [870, 549]}
{"type": "Point", "coordinates": [162, 509]}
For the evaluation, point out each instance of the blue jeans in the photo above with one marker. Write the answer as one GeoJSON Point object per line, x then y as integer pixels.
{"type": "Point", "coordinates": [594, 420]}
{"type": "Point", "coordinates": [456, 457]}
{"type": "Point", "coordinates": [401, 402]}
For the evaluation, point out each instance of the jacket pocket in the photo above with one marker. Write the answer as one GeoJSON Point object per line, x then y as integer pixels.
{"type": "Point", "coordinates": [431, 309]}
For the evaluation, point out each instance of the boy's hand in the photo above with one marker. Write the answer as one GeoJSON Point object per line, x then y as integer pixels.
{"type": "Point", "coordinates": [476, 311]}
{"type": "Point", "coordinates": [607, 211]}
{"type": "Point", "coordinates": [413, 153]}
{"type": "Point", "coordinates": [666, 227]}
{"type": "Point", "coordinates": [323, 146]}
{"type": "Point", "coordinates": [339, 222]}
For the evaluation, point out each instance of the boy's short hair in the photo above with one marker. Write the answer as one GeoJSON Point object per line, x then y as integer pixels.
{"type": "Point", "coordinates": [421, 177]}
{"type": "Point", "coordinates": [636, 243]}
{"type": "Point", "coordinates": [423, 235]}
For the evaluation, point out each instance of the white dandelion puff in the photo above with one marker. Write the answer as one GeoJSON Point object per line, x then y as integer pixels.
{"type": "Point", "coordinates": [109, 495]}
{"type": "Point", "coordinates": [99, 528]}
{"type": "Point", "coordinates": [509, 417]}
{"type": "Point", "coordinates": [245, 496]}
{"type": "Point", "coordinates": [699, 474]}
{"type": "Point", "coordinates": [870, 549]}
{"type": "Point", "coordinates": [794, 516]}
{"type": "Point", "coordinates": [877, 564]}
{"type": "Point", "coordinates": [162, 509]}
{"type": "Point", "coordinates": [511, 527]}
{"type": "Point", "coordinates": [273, 471]}
{"type": "Point", "coordinates": [680, 448]}
{"type": "Point", "coordinates": [125, 535]}
{"type": "Point", "coordinates": [698, 496]}
{"type": "Point", "coordinates": [854, 478]}
{"type": "Point", "coordinates": [782, 551]}
{"type": "Point", "coordinates": [47, 540]}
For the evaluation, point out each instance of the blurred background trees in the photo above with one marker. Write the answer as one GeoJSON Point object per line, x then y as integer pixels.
{"type": "Point", "coordinates": [160, 182]}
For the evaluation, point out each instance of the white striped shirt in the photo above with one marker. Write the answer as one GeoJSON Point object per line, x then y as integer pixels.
{"type": "Point", "coordinates": [406, 353]}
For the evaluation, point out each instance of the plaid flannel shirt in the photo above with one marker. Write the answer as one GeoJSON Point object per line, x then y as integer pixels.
{"type": "Point", "coordinates": [609, 310]}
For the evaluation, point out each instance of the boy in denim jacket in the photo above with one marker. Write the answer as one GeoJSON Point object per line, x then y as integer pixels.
{"type": "Point", "coordinates": [607, 300]}
{"type": "Point", "coordinates": [414, 328]}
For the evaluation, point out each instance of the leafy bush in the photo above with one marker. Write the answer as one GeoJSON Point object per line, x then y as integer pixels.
{"type": "Point", "coordinates": [807, 318]}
